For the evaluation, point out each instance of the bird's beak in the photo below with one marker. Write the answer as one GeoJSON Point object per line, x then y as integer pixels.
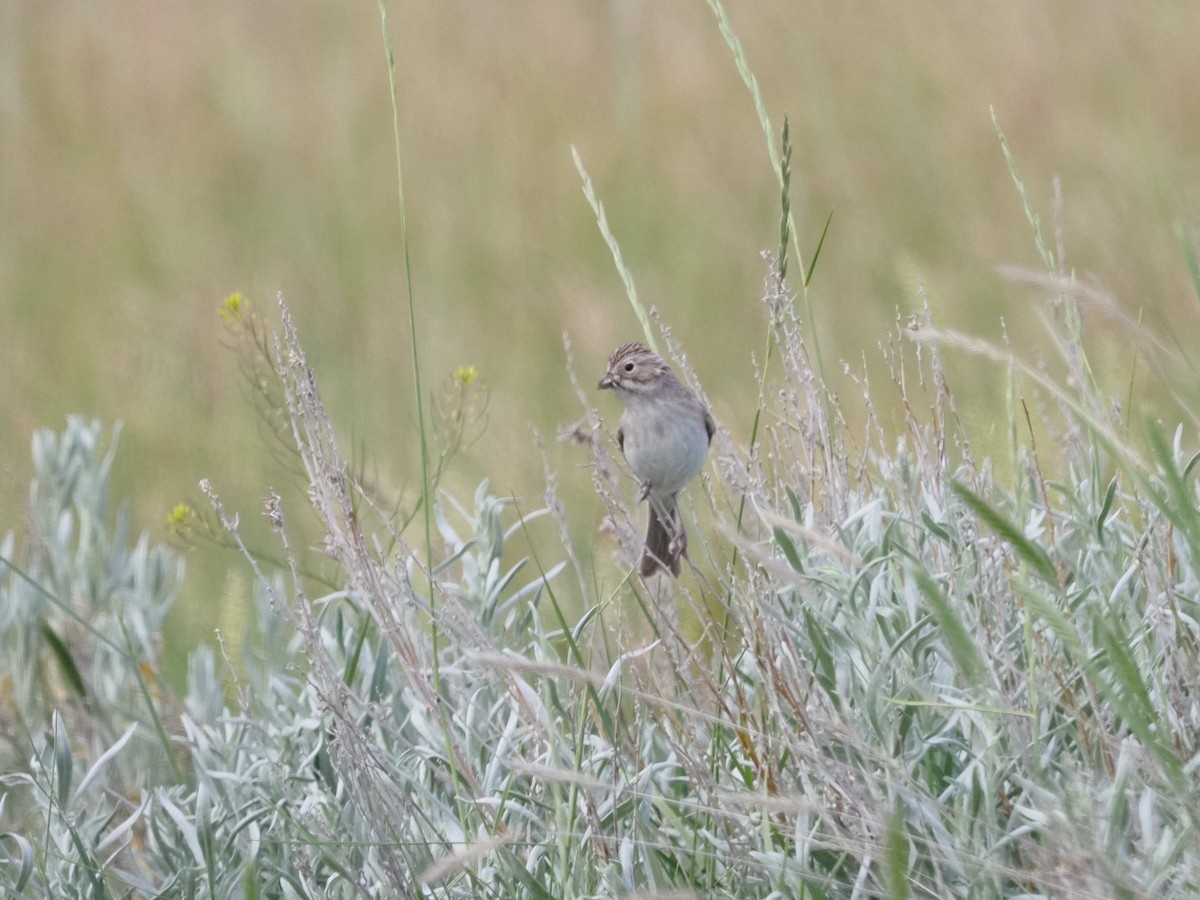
{"type": "Point", "coordinates": [606, 382]}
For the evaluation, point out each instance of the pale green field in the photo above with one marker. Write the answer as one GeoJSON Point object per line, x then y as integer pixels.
{"type": "Point", "coordinates": [156, 158]}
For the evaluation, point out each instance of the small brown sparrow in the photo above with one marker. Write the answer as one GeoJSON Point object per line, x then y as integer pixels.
{"type": "Point", "coordinates": [664, 434]}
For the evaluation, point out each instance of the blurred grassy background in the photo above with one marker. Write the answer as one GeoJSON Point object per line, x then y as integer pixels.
{"type": "Point", "coordinates": [156, 158]}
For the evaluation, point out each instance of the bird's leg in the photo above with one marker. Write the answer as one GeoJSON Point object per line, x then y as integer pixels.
{"type": "Point", "coordinates": [645, 490]}
{"type": "Point", "coordinates": [678, 544]}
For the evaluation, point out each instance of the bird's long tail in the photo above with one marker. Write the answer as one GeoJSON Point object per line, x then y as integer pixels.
{"type": "Point", "coordinates": [666, 541]}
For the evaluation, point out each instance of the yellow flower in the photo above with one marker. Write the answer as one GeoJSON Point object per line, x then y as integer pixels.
{"type": "Point", "coordinates": [464, 376]}
{"type": "Point", "coordinates": [234, 308]}
{"type": "Point", "coordinates": [179, 518]}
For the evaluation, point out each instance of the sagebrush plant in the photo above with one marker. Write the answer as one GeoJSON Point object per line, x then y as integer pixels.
{"type": "Point", "coordinates": [913, 680]}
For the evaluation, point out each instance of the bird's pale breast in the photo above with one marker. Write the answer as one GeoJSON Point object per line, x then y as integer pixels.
{"type": "Point", "coordinates": [664, 449]}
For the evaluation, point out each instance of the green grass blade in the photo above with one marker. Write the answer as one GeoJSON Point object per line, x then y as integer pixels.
{"type": "Point", "coordinates": [812, 266]}
{"type": "Point", "coordinates": [1025, 548]}
{"type": "Point", "coordinates": [589, 191]}
{"type": "Point", "coordinates": [958, 639]}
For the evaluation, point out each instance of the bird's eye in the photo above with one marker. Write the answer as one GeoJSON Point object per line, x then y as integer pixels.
{"type": "Point", "coordinates": [629, 367]}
